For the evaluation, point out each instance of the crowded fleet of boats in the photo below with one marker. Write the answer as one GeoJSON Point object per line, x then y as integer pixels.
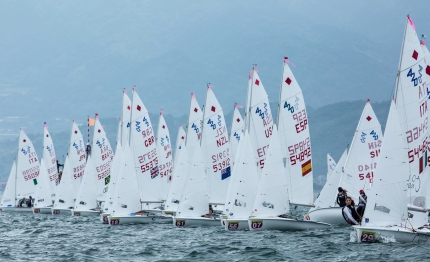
{"type": "Point", "coordinates": [254, 177]}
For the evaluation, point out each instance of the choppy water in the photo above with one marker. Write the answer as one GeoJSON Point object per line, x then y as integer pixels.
{"type": "Point", "coordinates": [28, 237]}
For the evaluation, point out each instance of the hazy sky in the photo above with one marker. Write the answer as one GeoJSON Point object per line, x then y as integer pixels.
{"type": "Point", "coordinates": [64, 60]}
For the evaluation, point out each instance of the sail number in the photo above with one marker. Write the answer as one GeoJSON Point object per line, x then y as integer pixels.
{"type": "Point", "coordinates": [368, 175]}
{"type": "Point", "coordinates": [367, 236]}
{"type": "Point", "coordinates": [422, 148]}
{"type": "Point", "coordinates": [300, 151]}
{"type": "Point", "coordinates": [255, 224]}
{"type": "Point", "coordinates": [415, 133]}
{"type": "Point", "coordinates": [302, 120]}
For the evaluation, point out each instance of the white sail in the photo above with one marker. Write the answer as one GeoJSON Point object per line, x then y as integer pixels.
{"type": "Point", "coordinates": [86, 198]}
{"type": "Point", "coordinates": [216, 149]}
{"type": "Point", "coordinates": [77, 157]}
{"type": "Point", "coordinates": [165, 161]}
{"type": "Point", "coordinates": [180, 140]}
{"type": "Point", "coordinates": [236, 132]}
{"type": "Point", "coordinates": [331, 165]}
{"type": "Point", "coordinates": [50, 159]}
{"type": "Point", "coordinates": [363, 154]}
{"type": "Point", "coordinates": [102, 157]}
{"type": "Point", "coordinates": [115, 174]}
{"type": "Point", "coordinates": [272, 195]}
{"type": "Point", "coordinates": [194, 126]}
{"type": "Point", "coordinates": [27, 168]}
{"type": "Point", "coordinates": [195, 200]}
{"type": "Point", "coordinates": [295, 139]}
{"type": "Point", "coordinates": [9, 194]}
{"type": "Point", "coordinates": [259, 119]}
{"type": "Point", "coordinates": [386, 200]}
{"type": "Point", "coordinates": [180, 175]}
{"type": "Point", "coordinates": [65, 196]}
{"type": "Point", "coordinates": [127, 194]}
{"type": "Point", "coordinates": [246, 184]}
{"type": "Point", "coordinates": [328, 194]}
{"type": "Point", "coordinates": [43, 197]}
{"type": "Point", "coordinates": [126, 116]}
{"type": "Point", "coordinates": [411, 101]}
{"type": "Point", "coordinates": [143, 145]}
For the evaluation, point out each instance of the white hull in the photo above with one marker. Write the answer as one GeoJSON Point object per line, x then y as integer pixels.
{"type": "Point", "coordinates": [284, 224]}
{"type": "Point", "coordinates": [16, 209]}
{"type": "Point", "coordinates": [42, 210]}
{"type": "Point", "coordinates": [195, 221]}
{"type": "Point", "coordinates": [402, 235]}
{"type": "Point", "coordinates": [61, 212]}
{"type": "Point", "coordinates": [235, 224]}
{"type": "Point", "coordinates": [330, 215]}
{"type": "Point", "coordinates": [85, 213]}
{"type": "Point", "coordinates": [136, 219]}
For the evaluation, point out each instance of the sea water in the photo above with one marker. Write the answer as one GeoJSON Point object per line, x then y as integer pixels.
{"type": "Point", "coordinates": [28, 237]}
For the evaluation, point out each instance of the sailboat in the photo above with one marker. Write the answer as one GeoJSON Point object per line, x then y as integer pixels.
{"type": "Point", "coordinates": [271, 202]}
{"type": "Point", "coordinates": [397, 200]}
{"type": "Point", "coordinates": [386, 213]}
{"type": "Point", "coordinates": [43, 197]}
{"type": "Point", "coordinates": [92, 194]}
{"type": "Point", "coordinates": [194, 201]}
{"type": "Point", "coordinates": [86, 198]}
{"type": "Point", "coordinates": [123, 138]}
{"type": "Point", "coordinates": [165, 160]}
{"type": "Point", "coordinates": [23, 177]}
{"type": "Point", "coordinates": [71, 177]}
{"type": "Point", "coordinates": [357, 172]}
{"type": "Point", "coordinates": [244, 187]}
{"type": "Point", "coordinates": [189, 142]}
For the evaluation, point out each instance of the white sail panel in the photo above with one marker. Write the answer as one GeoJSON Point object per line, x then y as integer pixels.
{"type": "Point", "coordinates": [363, 154]}
{"type": "Point", "coordinates": [125, 117]}
{"type": "Point", "coordinates": [272, 195]}
{"type": "Point", "coordinates": [236, 132]}
{"type": "Point", "coordinates": [27, 167]}
{"type": "Point", "coordinates": [65, 196]}
{"type": "Point", "coordinates": [165, 161]}
{"type": "Point", "coordinates": [43, 197]}
{"type": "Point", "coordinates": [331, 165]}
{"type": "Point", "coordinates": [295, 139]}
{"type": "Point", "coordinates": [102, 157]}
{"type": "Point", "coordinates": [143, 144]}
{"type": "Point", "coordinates": [9, 194]}
{"type": "Point", "coordinates": [194, 126]}
{"type": "Point", "coordinates": [50, 159]}
{"type": "Point", "coordinates": [216, 149]}
{"type": "Point", "coordinates": [86, 198]}
{"type": "Point", "coordinates": [386, 201]}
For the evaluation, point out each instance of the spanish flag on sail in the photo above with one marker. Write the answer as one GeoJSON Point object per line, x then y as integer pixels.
{"type": "Point", "coordinates": [306, 167]}
{"type": "Point", "coordinates": [423, 162]}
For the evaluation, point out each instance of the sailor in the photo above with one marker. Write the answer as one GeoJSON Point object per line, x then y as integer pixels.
{"type": "Point", "coordinates": [21, 201]}
{"type": "Point", "coordinates": [29, 202]}
{"type": "Point", "coordinates": [341, 196]}
{"type": "Point", "coordinates": [362, 201]}
{"type": "Point", "coordinates": [349, 213]}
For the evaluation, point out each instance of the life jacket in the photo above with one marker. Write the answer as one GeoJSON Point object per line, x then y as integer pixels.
{"type": "Point", "coordinates": [345, 216]}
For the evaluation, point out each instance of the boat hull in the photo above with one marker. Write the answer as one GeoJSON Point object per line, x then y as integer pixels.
{"type": "Point", "coordinates": [330, 215]}
{"type": "Point", "coordinates": [16, 209]}
{"type": "Point", "coordinates": [61, 212]}
{"type": "Point", "coordinates": [85, 213]}
{"type": "Point", "coordinates": [284, 224]}
{"type": "Point", "coordinates": [235, 224]}
{"type": "Point", "coordinates": [119, 220]}
{"type": "Point", "coordinates": [402, 235]}
{"type": "Point", "coordinates": [195, 222]}
{"type": "Point", "coordinates": [42, 210]}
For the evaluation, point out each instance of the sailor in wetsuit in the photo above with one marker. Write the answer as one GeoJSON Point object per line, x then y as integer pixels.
{"type": "Point", "coordinates": [349, 213]}
{"type": "Point", "coordinates": [362, 201]}
{"type": "Point", "coordinates": [341, 196]}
